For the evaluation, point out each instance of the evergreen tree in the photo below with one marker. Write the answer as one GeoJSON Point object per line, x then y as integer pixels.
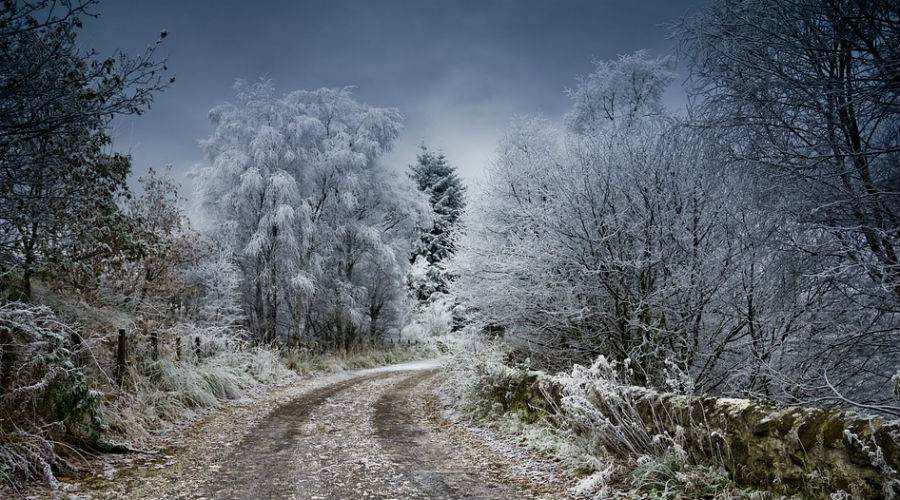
{"type": "Point", "coordinates": [438, 180]}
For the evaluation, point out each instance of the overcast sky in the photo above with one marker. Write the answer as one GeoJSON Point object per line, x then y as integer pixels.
{"type": "Point", "coordinates": [457, 70]}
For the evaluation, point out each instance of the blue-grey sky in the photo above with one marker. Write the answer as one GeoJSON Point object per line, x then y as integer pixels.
{"type": "Point", "coordinates": [457, 70]}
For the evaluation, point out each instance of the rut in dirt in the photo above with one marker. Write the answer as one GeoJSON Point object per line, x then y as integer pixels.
{"type": "Point", "coordinates": [372, 436]}
{"type": "Point", "coordinates": [431, 465]}
{"type": "Point", "coordinates": [262, 466]}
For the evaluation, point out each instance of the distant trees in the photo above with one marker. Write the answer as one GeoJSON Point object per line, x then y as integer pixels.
{"type": "Point", "coordinates": [316, 228]}
{"type": "Point", "coordinates": [59, 189]}
{"type": "Point", "coordinates": [438, 181]}
{"type": "Point", "coordinates": [170, 249]}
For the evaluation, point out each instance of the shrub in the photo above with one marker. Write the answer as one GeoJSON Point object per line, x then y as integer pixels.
{"type": "Point", "coordinates": [45, 394]}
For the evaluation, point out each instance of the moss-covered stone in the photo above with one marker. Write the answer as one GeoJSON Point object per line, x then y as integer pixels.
{"type": "Point", "coordinates": [792, 450]}
{"type": "Point", "coordinates": [779, 422]}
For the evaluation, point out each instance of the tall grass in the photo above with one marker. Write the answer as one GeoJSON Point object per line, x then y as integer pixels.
{"type": "Point", "coordinates": [158, 394]}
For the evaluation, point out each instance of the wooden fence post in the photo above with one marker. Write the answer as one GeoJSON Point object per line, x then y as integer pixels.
{"type": "Point", "coordinates": [121, 355]}
{"type": "Point", "coordinates": [154, 343]}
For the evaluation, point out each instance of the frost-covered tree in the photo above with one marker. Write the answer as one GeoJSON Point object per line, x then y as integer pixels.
{"type": "Point", "coordinates": [438, 180]}
{"type": "Point", "coordinates": [609, 246]}
{"type": "Point", "coordinates": [59, 186]}
{"type": "Point", "coordinates": [213, 290]}
{"type": "Point", "coordinates": [805, 93]}
{"type": "Point", "coordinates": [429, 278]}
{"type": "Point", "coordinates": [587, 239]}
{"type": "Point", "coordinates": [620, 91]}
{"type": "Point", "coordinates": [316, 226]}
{"type": "Point", "coordinates": [157, 278]}
{"type": "Point", "coordinates": [627, 234]}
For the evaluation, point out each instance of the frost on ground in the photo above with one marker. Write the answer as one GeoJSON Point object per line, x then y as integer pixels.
{"type": "Point", "coordinates": [422, 364]}
{"type": "Point", "coordinates": [377, 433]}
{"type": "Point", "coordinates": [594, 455]}
{"type": "Point", "coordinates": [523, 454]}
{"type": "Point", "coordinates": [177, 461]}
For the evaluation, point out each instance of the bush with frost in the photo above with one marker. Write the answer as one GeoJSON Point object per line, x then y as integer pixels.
{"type": "Point", "coordinates": [595, 403]}
{"type": "Point", "coordinates": [45, 392]}
{"type": "Point", "coordinates": [431, 319]}
{"type": "Point", "coordinates": [58, 396]}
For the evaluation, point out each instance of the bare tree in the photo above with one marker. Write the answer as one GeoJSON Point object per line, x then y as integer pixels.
{"type": "Point", "coordinates": [55, 103]}
{"type": "Point", "coordinates": [806, 93]}
{"type": "Point", "coordinates": [634, 235]}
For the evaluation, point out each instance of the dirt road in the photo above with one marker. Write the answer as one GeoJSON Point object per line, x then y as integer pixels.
{"type": "Point", "coordinates": [373, 434]}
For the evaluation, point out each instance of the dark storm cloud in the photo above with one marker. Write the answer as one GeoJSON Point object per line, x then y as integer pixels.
{"type": "Point", "coordinates": [457, 70]}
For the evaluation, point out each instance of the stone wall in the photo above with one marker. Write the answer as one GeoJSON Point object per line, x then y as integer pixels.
{"type": "Point", "coordinates": [789, 450]}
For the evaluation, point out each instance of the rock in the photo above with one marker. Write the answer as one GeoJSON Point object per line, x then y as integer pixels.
{"type": "Point", "coordinates": [791, 450]}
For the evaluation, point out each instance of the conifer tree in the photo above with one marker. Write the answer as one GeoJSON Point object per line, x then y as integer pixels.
{"type": "Point", "coordinates": [438, 180]}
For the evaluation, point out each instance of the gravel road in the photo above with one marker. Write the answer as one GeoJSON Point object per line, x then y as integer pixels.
{"type": "Point", "coordinates": [369, 434]}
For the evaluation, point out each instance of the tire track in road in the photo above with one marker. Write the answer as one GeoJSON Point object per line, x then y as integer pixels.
{"type": "Point", "coordinates": [429, 460]}
{"type": "Point", "coordinates": [376, 434]}
{"type": "Point", "coordinates": [263, 465]}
